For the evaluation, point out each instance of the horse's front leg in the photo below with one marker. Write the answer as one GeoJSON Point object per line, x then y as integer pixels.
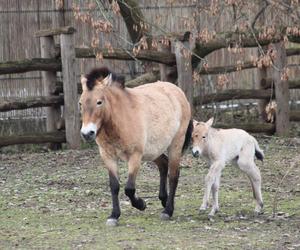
{"type": "Point", "coordinates": [133, 168]}
{"type": "Point", "coordinates": [114, 188]}
{"type": "Point", "coordinates": [112, 168]}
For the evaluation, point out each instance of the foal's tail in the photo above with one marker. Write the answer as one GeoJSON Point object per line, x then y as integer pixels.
{"type": "Point", "coordinates": [259, 153]}
{"type": "Point", "coordinates": [188, 136]}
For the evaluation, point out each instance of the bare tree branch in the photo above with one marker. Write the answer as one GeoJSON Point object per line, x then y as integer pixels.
{"type": "Point", "coordinates": [259, 13]}
{"type": "Point", "coordinates": [133, 18]}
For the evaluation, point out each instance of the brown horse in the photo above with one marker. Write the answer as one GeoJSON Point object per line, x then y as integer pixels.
{"type": "Point", "coordinates": [134, 125]}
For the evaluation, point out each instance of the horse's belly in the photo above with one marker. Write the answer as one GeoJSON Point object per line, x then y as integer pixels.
{"type": "Point", "coordinates": [158, 142]}
{"type": "Point", "coordinates": [151, 153]}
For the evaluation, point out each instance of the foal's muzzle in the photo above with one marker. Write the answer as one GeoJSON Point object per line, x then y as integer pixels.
{"type": "Point", "coordinates": [196, 153]}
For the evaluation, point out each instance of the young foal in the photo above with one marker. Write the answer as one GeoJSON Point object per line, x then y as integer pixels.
{"type": "Point", "coordinates": [221, 146]}
{"type": "Point", "coordinates": [134, 125]}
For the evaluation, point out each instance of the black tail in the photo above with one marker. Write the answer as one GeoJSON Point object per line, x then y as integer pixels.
{"type": "Point", "coordinates": [259, 155]}
{"type": "Point", "coordinates": [188, 136]}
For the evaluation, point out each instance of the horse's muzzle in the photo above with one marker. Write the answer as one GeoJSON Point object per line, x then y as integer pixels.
{"type": "Point", "coordinates": [90, 136]}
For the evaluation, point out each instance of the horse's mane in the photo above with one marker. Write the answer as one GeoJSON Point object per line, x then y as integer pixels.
{"type": "Point", "coordinates": [99, 74]}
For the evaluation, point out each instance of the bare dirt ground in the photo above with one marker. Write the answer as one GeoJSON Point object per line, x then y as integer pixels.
{"type": "Point", "coordinates": [60, 200]}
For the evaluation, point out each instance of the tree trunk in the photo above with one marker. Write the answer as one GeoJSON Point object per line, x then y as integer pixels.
{"type": "Point", "coordinates": [184, 69]}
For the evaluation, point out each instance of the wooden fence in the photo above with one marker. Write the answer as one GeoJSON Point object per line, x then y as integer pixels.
{"type": "Point", "coordinates": [65, 93]}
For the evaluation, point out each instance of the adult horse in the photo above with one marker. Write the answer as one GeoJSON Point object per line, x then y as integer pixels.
{"type": "Point", "coordinates": [135, 124]}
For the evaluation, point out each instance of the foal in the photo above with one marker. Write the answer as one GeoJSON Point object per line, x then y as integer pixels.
{"type": "Point", "coordinates": [135, 125]}
{"type": "Point", "coordinates": [221, 146]}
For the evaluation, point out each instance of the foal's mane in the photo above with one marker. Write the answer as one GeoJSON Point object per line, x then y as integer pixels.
{"type": "Point", "coordinates": [98, 74]}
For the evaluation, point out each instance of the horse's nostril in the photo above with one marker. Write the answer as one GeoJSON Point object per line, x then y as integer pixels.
{"type": "Point", "coordinates": [91, 133]}
{"type": "Point", "coordinates": [89, 136]}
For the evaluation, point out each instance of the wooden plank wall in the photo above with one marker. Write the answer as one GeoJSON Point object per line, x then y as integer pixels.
{"type": "Point", "coordinates": [19, 20]}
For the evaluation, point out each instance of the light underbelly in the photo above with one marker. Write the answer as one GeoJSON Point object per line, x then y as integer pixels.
{"type": "Point", "coordinates": [157, 144]}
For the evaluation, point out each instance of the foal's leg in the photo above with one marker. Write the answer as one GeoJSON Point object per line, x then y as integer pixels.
{"type": "Point", "coordinates": [215, 195]}
{"type": "Point", "coordinates": [162, 163]}
{"type": "Point", "coordinates": [133, 167]}
{"type": "Point", "coordinates": [247, 164]}
{"type": "Point", "coordinates": [210, 179]}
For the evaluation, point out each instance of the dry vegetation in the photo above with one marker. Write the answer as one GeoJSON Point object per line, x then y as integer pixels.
{"type": "Point", "coordinates": [60, 200]}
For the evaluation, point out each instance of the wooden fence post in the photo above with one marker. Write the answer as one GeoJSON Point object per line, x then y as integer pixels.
{"type": "Point", "coordinates": [49, 84]}
{"type": "Point", "coordinates": [71, 112]}
{"type": "Point", "coordinates": [184, 67]}
{"type": "Point", "coordinates": [281, 91]}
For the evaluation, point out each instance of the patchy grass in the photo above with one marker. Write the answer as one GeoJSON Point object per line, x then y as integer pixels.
{"type": "Point", "coordinates": [60, 200]}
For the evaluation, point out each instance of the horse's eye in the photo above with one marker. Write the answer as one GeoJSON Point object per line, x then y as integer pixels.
{"type": "Point", "coordinates": [203, 137]}
{"type": "Point", "coordinates": [99, 103]}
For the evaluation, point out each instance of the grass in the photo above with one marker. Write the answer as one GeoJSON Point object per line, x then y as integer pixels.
{"type": "Point", "coordinates": [60, 200]}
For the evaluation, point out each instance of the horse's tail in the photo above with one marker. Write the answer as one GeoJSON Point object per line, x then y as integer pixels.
{"type": "Point", "coordinates": [188, 136]}
{"type": "Point", "coordinates": [259, 153]}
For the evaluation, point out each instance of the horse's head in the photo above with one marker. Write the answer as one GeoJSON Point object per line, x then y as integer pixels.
{"type": "Point", "coordinates": [94, 101]}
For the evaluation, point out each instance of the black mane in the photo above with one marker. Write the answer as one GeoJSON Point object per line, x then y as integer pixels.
{"type": "Point", "coordinates": [99, 74]}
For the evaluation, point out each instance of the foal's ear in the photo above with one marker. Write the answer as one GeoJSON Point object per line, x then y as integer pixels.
{"type": "Point", "coordinates": [195, 123]}
{"type": "Point", "coordinates": [210, 122]}
{"type": "Point", "coordinates": [83, 82]}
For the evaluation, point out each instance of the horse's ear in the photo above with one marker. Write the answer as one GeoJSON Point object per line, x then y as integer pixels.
{"type": "Point", "coordinates": [119, 79]}
{"type": "Point", "coordinates": [210, 122]}
{"type": "Point", "coordinates": [114, 80]}
{"type": "Point", "coordinates": [83, 82]}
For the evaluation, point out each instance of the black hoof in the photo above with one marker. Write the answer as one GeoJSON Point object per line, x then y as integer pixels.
{"type": "Point", "coordinates": [164, 216]}
{"type": "Point", "coordinates": [140, 204]}
{"type": "Point", "coordinates": [112, 222]}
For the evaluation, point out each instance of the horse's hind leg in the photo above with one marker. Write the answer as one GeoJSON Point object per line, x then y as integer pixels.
{"type": "Point", "coordinates": [174, 160]}
{"type": "Point", "coordinates": [133, 167]}
{"type": "Point", "coordinates": [162, 164]}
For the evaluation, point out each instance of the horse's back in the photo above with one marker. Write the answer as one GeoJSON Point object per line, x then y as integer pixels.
{"type": "Point", "coordinates": [162, 97]}
{"type": "Point", "coordinates": [165, 94]}
{"type": "Point", "coordinates": [164, 111]}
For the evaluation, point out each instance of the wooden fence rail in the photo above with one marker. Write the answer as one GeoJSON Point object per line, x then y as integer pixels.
{"type": "Point", "coordinates": [166, 58]}
{"type": "Point", "coordinates": [27, 65]}
{"type": "Point", "coordinates": [63, 59]}
{"type": "Point", "coordinates": [52, 137]}
{"type": "Point", "coordinates": [30, 102]}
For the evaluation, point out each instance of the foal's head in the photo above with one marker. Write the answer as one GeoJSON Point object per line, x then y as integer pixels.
{"type": "Point", "coordinates": [199, 136]}
{"type": "Point", "coordinates": [94, 101]}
